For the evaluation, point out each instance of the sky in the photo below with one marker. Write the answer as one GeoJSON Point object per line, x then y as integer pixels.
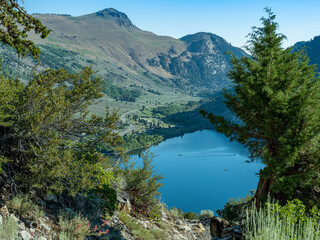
{"type": "Point", "coordinates": [231, 19]}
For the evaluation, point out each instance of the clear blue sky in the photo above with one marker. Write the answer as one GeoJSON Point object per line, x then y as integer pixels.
{"type": "Point", "coordinates": [231, 19]}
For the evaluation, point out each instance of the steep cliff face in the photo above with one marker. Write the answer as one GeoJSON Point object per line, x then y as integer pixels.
{"type": "Point", "coordinates": [203, 64]}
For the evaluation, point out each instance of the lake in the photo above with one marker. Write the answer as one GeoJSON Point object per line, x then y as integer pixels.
{"type": "Point", "coordinates": [203, 170]}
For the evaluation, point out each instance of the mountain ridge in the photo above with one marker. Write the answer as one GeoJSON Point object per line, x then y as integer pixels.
{"type": "Point", "coordinates": [110, 34]}
{"type": "Point", "coordinates": [312, 49]}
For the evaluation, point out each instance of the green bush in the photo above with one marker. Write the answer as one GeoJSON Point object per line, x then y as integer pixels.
{"type": "Point", "coordinates": [139, 231]}
{"type": "Point", "coordinates": [232, 210]}
{"type": "Point", "coordinates": [190, 215]}
{"type": "Point", "coordinates": [22, 205]}
{"type": "Point", "coordinates": [8, 229]}
{"type": "Point", "coordinates": [108, 196]}
{"type": "Point", "coordinates": [73, 226]}
{"type": "Point", "coordinates": [47, 134]}
{"type": "Point", "coordinates": [176, 212]}
{"type": "Point", "coordinates": [206, 214]}
{"type": "Point", "coordinates": [282, 222]}
{"type": "Point", "coordinates": [142, 185]}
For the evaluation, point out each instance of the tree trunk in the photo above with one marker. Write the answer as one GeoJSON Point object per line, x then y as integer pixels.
{"type": "Point", "coordinates": [263, 190]}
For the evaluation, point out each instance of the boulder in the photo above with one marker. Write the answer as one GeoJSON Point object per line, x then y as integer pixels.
{"type": "Point", "coordinates": [44, 227]}
{"type": "Point", "coordinates": [198, 228]}
{"type": "Point", "coordinates": [234, 232]}
{"type": "Point", "coordinates": [179, 237]}
{"type": "Point", "coordinates": [183, 228]}
{"type": "Point", "coordinates": [24, 235]}
{"type": "Point", "coordinates": [125, 206]}
{"type": "Point", "coordinates": [217, 225]}
{"type": "Point", "coordinates": [4, 211]}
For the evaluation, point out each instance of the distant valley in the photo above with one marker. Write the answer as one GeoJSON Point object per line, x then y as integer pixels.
{"type": "Point", "coordinates": [152, 80]}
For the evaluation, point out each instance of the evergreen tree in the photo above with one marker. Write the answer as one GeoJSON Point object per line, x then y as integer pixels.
{"type": "Point", "coordinates": [16, 23]}
{"type": "Point", "coordinates": [48, 138]}
{"type": "Point", "coordinates": [276, 96]}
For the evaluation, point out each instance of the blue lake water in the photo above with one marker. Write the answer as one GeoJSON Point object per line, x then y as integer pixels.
{"type": "Point", "coordinates": [203, 170]}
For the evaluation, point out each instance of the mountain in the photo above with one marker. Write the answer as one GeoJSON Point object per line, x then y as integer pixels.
{"type": "Point", "coordinates": [204, 62]}
{"type": "Point", "coordinates": [119, 50]}
{"type": "Point", "coordinates": [312, 49]}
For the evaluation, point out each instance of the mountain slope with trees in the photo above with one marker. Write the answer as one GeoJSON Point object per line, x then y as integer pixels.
{"type": "Point", "coordinates": [312, 49]}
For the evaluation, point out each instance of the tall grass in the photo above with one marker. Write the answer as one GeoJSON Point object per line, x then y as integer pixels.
{"type": "Point", "coordinates": [269, 223]}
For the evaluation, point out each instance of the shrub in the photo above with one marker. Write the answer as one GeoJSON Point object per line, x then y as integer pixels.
{"type": "Point", "coordinates": [139, 231]}
{"type": "Point", "coordinates": [21, 205]}
{"type": "Point", "coordinates": [142, 185]}
{"type": "Point", "coordinates": [190, 215]}
{"type": "Point", "coordinates": [282, 223]}
{"type": "Point", "coordinates": [175, 212]}
{"type": "Point", "coordinates": [206, 214]}
{"type": "Point", "coordinates": [108, 196]}
{"type": "Point", "coordinates": [233, 209]}
{"type": "Point", "coordinates": [73, 226]}
{"type": "Point", "coordinates": [8, 229]}
{"type": "Point", "coordinates": [37, 214]}
{"type": "Point", "coordinates": [47, 134]}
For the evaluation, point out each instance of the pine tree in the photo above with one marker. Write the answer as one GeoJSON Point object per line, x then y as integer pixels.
{"type": "Point", "coordinates": [48, 138]}
{"type": "Point", "coordinates": [16, 23]}
{"type": "Point", "coordinates": [276, 95]}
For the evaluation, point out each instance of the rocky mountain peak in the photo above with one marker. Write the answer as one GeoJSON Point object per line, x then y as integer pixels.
{"type": "Point", "coordinates": [205, 42]}
{"type": "Point", "coordinates": [120, 18]}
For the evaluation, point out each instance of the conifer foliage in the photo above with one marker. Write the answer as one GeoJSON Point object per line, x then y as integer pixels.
{"type": "Point", "coordinates": [276, 96]}
{"type": "Point", "coordinates": [47, 136]}
{"type": "Point", "coordinates": [16, 23]}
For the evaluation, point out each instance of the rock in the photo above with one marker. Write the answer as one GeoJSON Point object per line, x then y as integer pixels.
{"type": "Point", "coordinates": [234, 232]}
{"type": "Point", "coordinates": [198, 228]}
{"type": "Point", "coordinates": [121, 18]}
{"type": "Point", "coordinates": [21, 225]}
{"type": "Point", "coordinates": [179, 237]}
{"type": "Point", "coordinates": [44, 227]}
{"type": "Point", "coordinates": [125, 206]}
{"type": "Point", "coordinates": [42, 238]}
{"type": "Point", "coordinates": [34, 225]}
{"type": "Point", "coordinates": [183, 228]}
{"type": "Point", "coordinates": [1, 220]}
{"type": "Point", "coordinates": [179, 222]}
{"type": "Point", "coordinates": [143, 223]}
{"type": "Point", "coordinates": [24, 235]}
{"type": "Point", "coordinates": [4, 211]}
{"type": "Point", "coordinates": [217, 225]}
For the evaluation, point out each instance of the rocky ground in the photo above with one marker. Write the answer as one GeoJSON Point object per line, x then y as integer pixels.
{"type": "Point", "coordinates": [39, 217]}
{"type": "Point", "coordinates": [173, 229]}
